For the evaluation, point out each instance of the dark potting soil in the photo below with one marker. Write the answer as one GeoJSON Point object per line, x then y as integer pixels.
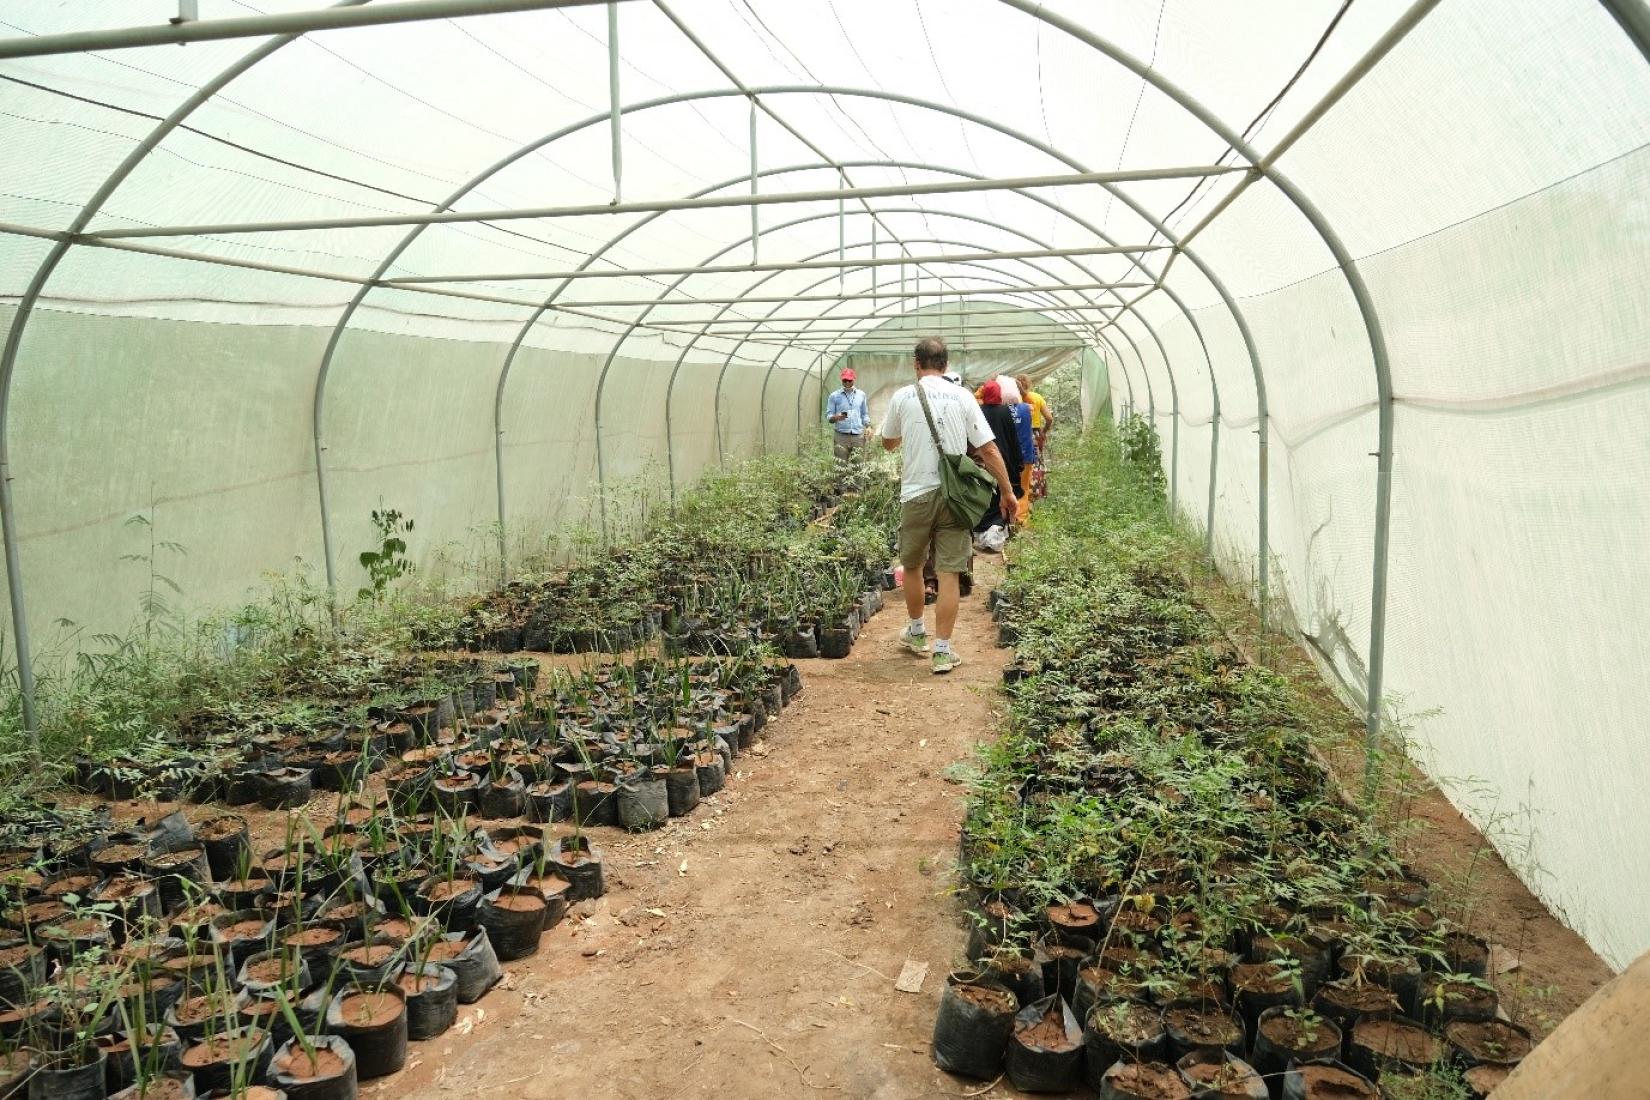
{"type": "Point", "coordinates": [348, 911]}
{"type": "Point", "coordinates": [1077, 916]}
{"type": "Point", "coordinates": [1212, 1028]}
{"type": "Point", "coordinates": [519, 902]}
{"type": "Point", "coordinates": [167, 1088]}
{"type": "Point", "coordinates": [446, 891]}
{"type": "Point", "coordinates": [1133, 1026]}
{"type": "Point", "coordinates": [204, 1007]}
{"type": "Point", "coordinates": [1334, 1083]}
{"type": "Point", "coordinates": [1484, 1080]}
{"type": "Point", "coordinates": [1152, 1081]}
{"type": "Point", "coordinates": [245, 930]}
{"type": "Point", "coordinates": [1490, 1041]}
{"type": "Point", "coordinates": [1226, 1078]}
{"type": "Point", "coordinates": [414, 984]}
{"type": "Point", "coordinates": [1049, 1033]}
{"type": "Point", "coordinates": [1396, 1039]}
{"type": "Point", "coordinates": [73, 884]}
{"type": "Point", "coordinates": [120, 853]}
{"type": "Point", "coordinates": [447, 950]}
{"type": "Point", "coordinates": [11, 956]}
{"type": "Point", "coordinates": [314, 937]}
{"type": "Point", "coordinates": [298, 1063]}
{"type": "Point", "coordinates": [123, 887]}
{"type": "Point", "coordinates": [370, 1010]}
{"type": "Point", "coordinates": [221, 1049]}
{"type": "Point", "coordinates": [372, 954]}
{"type": "Point", "coordinates": [987, 997]}
{"type": "Point", "coordinates": [1360, 997]}
{"type": "Point", "coordinates": [1289, 1033]}
{"type": "Point", "coordinates": [1262, 977]}
{"type": "Point", "coordinates": [185, 963]}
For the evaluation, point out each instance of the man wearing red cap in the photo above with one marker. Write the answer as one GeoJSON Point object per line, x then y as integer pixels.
{"type": "Point", "coordinates": [849, 417]}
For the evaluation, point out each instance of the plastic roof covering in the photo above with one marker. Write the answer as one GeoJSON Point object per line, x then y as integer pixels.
{"type": "Point", "coordinates": [1488, 176]}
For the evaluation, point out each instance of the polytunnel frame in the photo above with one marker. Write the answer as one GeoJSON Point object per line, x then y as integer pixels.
{"type": "Point", "coordinates": [1633, 23]}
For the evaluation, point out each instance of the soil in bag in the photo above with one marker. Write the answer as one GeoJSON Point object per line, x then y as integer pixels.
{"type": "Point", "coordinates": [470, 957]}
{"type": "Point", "coordinates": [973, 1025]}
{"type": "Point", "coordinates": [1045, 1051]}
{"type": "Point", "coordinates": [644, 802]}
{"type": "Point", "coordinates": [1488, 1042]}
{"type": "Point", "coordinates": [577, 861]}
{"type": "Point", "coordinates": [171, 1085]}
{"type": "Point", "coordinates": [1376, 1045]}
{"type": "Point", "coordinates": [1285, 1035]}
{"type": "Point", "coordinates": [1143, 1081]}
{"type": "Point", "coordinates": [373, 1021]}
{"type": "Point", "coordinates": [1217, 1075]}
{"type": "Point", "coordinates": [682, 789]}
{"type": "Point", "coordinates": [1327, 1081]}
{"type": "Point", "coordinates": [63, 1081]}
{"type": "Point", "coordinates": [713, 775]}
{"type": "Point", "coordinates": [328, 1075]}
{"type": "Point", "coordinates": [1121, 1031]}
{"type": "Point", "coordinates": [218, 1061]}
{"type": "Point", "coordinates": [432, 999]}
{"type": "Point", "coordinates": [513, 920]}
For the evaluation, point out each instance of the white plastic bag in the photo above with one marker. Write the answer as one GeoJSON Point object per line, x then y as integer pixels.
{"type": "Point", "coordinates": [992, 539]}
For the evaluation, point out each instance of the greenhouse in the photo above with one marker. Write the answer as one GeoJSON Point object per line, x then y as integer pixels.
{"type": "Point", "coordinates": [453, 632]}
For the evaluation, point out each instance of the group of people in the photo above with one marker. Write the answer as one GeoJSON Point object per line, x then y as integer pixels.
{"type": "Point", "coordinates": [1003, 425]}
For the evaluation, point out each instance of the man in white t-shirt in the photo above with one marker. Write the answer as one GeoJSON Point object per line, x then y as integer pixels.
{"type": "Point", "coordinates": [924, 516]}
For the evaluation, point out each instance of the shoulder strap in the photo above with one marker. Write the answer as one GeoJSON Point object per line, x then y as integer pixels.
{"type": "Point", "coordinates": [928, 415]}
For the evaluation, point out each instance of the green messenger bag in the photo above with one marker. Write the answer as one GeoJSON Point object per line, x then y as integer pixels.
{"type": "Point", "coordinates": [966, 487]}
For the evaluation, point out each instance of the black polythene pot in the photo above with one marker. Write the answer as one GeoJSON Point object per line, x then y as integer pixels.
{"type": "Point", "coordinates": [161, 1052]}
{"type": "Point", "coordinates": [1252, 1086]}
{"type": "Point", "coordinates": [580, 863]}
{"type": "Point", "coordinates": [371, 973]}
{"type": "Point", "coordinates": [337, 1086]}
{"type": "Point", "coordinates": [971, 1032]}
{"type": "Point", "coordinates": [1103, 1045]}
{"type": "Point", "coordinates": [23, 976]}
{"type": "Point", "coordinates": [1303, 1082]}
{"type": "Point", "coordinates": [1120, 1081]}
{"type": "Point", "coordinates": [475, 967]}
{"type": "Point", "coordinates": [431, 1009]}
{"type": "Point", "coordinates": [184, 1080]}
{"type": "Point", "coordinates": [1270, 1056]}
{"type": "Point", "coordinates": [712, 772]}
{"type": "Point", "coordinates": [284, 788]}
{"type": "Point", "coordinates": [220, 1073]}
{"type": "Point", "coordinates": [505, 797]}
{"type": "Point", "coordinates": [1035, 1067]}
{"type": "Point", "coordinates": [644, 801]}
{"type": "Point", "coordinates": [514, 921]}
{"type": "Point", "coordinates": [682, 787]}
{"type": "Point", "coordinates": [381, 1046]}
{"type": "Point", "coordinates": [458, 912]}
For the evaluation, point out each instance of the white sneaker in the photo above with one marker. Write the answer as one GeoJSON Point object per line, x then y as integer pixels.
{"type": "Point", "coordinates": [915, 642]}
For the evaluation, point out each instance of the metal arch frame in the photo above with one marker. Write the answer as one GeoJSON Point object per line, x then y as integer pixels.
{"type": "Point", "coordinates": [25, 310]}
{"type": "Point", "coordinates": [1034, 240]}
{"type": "Point", "coordinates": [1360, 294]}
{"type": "Point", "coordinates": [414, 231]}
{"type": "Point", "coordinates": [510, 356]}
{"type": "Point", "coordinates": [682, 357]}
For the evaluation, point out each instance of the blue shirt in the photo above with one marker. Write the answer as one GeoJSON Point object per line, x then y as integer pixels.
{"type": "Point", "coordinates": [1022, 426]}
{"type": "Point", "coordinates": [853, 403]}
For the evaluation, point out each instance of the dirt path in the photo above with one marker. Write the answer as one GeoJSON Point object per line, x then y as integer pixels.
{"type": "Point", "coordinates": [749, 950]}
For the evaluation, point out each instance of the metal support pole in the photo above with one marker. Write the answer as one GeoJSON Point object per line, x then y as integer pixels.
{"type": "Point", "coordinates": [717, 202]}
{"type": "Point", "coordinates": [756, 229]}
{"type": "Point", "coordinates": [615, 106]}
{"type": "Point", "coordinates": [289, 24]}
{"type": "Point", "coordinates": [841, 229]}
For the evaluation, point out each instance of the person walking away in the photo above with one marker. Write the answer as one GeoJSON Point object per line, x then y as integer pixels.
{"type": "Point", "coordinates": [1042, 419]}
{"type": "Point", "coordinates": [924, 515]}
{"type": "Point", "coordinates": [1028, 445]}
{"type": "Point", "coordinates": [1001, 420]}
{"type": "Point", "coordinates": [1042, 416]}
{"type": "Point", "coordinates": [850, 418]}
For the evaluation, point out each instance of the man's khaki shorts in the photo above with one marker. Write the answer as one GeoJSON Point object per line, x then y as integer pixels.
{"type": "Point", "coordinates": [927, 519]}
